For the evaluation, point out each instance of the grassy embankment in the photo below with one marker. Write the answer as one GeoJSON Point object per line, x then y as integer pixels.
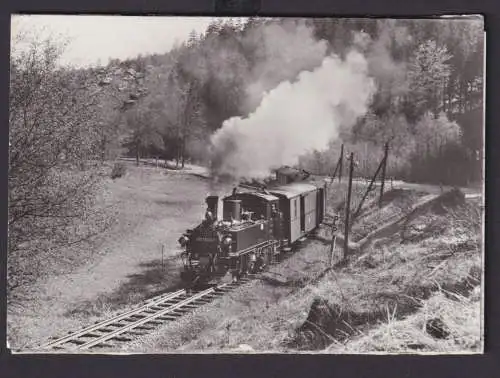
{"type": "Point", "coordinates": [413, 289]}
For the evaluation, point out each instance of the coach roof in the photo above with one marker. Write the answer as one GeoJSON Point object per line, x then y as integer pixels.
{"type": "Point", "coordinates": [266, 196]}
{"type": "Point", "coordinates": [293, 190]}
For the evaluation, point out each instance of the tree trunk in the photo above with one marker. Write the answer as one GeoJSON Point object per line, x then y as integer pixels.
{"type": "Point", "coordinates": [179, 141]}
{"type": "Point", "coordinates": [137, 154]}
{"type": "Point", "coordinates": [450, 97]}
{"type": "Point", "coordinates": [182, 152]}
{"type": "Point", "coordinates": [443, 97]}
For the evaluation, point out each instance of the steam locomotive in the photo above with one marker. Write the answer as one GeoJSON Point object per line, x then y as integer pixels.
{"type": "Point", "coordinates": [247, 230]}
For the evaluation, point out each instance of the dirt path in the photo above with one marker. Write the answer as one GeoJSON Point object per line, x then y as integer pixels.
{"type": "Point", "coordinates": [154, 208]}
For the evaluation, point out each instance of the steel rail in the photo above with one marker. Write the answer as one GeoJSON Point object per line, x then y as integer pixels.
{"type": "Point", "coordinates": [95, 327]}
{"type": "Point", "coordinates": [148, 319]}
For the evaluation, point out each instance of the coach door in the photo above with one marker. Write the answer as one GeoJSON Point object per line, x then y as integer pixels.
{"type": "Point", "coordinates": [302, 214]}
{"type": "Point", "coordinates": [321, 205]}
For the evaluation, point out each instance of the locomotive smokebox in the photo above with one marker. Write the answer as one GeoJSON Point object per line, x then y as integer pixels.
{"type": "Point", "coordinates": [212, 205]}
{"type": "Point", "coordinates": [234, 207]}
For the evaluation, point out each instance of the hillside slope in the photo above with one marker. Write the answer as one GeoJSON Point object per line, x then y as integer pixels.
{"type": "Point", "coordinates": [425, 272]}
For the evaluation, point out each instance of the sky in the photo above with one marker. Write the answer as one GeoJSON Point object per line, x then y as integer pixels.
{"type": "Point", "coordinates": [96, 39]}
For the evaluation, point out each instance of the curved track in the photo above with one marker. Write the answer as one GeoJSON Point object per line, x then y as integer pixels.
{"type": "Point", "coordinates": [158, 310]}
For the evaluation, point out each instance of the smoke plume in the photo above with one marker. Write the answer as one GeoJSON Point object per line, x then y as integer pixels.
{"type": "Point", "coordinates": [281, 51]}
{"type": "Point", "coordinates": [389, 74]}
{"type": "Point", "coordinates": [294, 118]}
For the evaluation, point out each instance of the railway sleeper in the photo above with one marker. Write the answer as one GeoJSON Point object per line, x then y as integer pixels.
{"type": "Point", "coordinates": [121, 338]}
{"type": "Point", "coordinates": [163, 306]}
{"type": "Point", "coordinates": [211, 295]}
{"type": "Point", "coordinates": [175, 300]}
{"type": "Point", "coordinates": [136, 333]}
{"type": "Point", "coordinates": [91, 335]}
{"type": "Point", "coordinates": [180, 311]}
{"type": "Point", "coordinates": [77, 341]}
{"type": "Point", "coordinates": [154, 322]}
{"type": "Point", "coordinates": [130, 320]}
{"type": "Point", "coordinates": [202, 303]}
{"type": "Point", "coordinates": [189, 306]}
{"type": "Point", "coordinates": [204, 299]}
{"type": "Point", "coordinates": [157, 308]}
{"type": "Point", "coordinates": [176, 314]}
{"type": "Point", "coordinates": [167, 317]}
{"type": "Point", "coordinates": [145, 327]}
{"type": "Point", "coordinates": [106, 329]}
{"type": "Point", "coordinates": [102, 345]}
{"type": "Point", "coordinates": [118, 324]}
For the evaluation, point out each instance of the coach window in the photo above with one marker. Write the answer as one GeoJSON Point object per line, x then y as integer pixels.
{"type": "Point", "coordinates": [295, 208]}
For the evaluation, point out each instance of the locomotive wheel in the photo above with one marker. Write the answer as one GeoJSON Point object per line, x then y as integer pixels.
{"type": "Point", "coordinates": [236, 271]}
{"type": "Point", "coordinates": [243, 265]}
{"type": "Point", "coordinates": [213, 266]}
{"type": "Point", "coordinates": [269, 256]}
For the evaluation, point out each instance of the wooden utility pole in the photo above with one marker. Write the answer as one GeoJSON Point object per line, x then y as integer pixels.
{"type": "Point", "coordinates": [334, 173]}
{"type": "Point", "coordinates": [384, 168]}
{"type": "Point", "coordinates": [334, 239]}
{"type": "Point", "coordinates": [348, 206]}
{"type": "Point", "coordinates": [338, 167]}
{"type": "Point", "coordinates": [369, 188]}
{"type": "Point", "coordinates": [341, 159]}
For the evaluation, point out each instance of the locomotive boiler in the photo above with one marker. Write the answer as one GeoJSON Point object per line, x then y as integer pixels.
{"type": "Point", "coordinates": [247, 230]}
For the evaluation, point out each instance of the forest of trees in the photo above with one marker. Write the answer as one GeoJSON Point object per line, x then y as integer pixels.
{"type": "Point", "coordinates": [429, 101]}
{"type": "Point", "coordinates": [65, 122]}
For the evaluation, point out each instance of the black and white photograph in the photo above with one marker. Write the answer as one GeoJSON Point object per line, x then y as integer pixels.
{"type": "Point", "coordinates": [181, 184]}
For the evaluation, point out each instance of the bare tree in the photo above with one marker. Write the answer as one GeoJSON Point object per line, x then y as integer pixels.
{"type": "Point", "coordinates": [54, 142]}
{"type": "Point", "coordinates": [184, 116]}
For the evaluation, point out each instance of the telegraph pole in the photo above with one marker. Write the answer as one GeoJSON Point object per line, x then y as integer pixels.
{"type": "Point", "coordinates": [341, 159]}
{"type": "Point", "coordinates": [348, 206]}
{"type": "Point", "coordinates": [384, 167]}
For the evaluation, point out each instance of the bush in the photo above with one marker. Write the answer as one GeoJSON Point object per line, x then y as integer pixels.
{"type": "Point", "coordinates": [119, 170]}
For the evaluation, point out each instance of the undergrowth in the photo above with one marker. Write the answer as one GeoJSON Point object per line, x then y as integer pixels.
{"type": "Point", "coordinates": [390, 297]}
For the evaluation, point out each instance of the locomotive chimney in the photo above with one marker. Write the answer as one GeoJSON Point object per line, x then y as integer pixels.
{"type": "Point", "coordinates": [212, 205]}
{"type": "Point", "coordinates": [281, 176]}
{"type": "Point", "coordinates": [234, 209]}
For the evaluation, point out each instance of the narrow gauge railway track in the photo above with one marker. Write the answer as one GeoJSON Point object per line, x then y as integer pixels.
{"type": "Point", "coordinates": [137, 322]}
{"type": "Point", "coordinates": [156, 311]}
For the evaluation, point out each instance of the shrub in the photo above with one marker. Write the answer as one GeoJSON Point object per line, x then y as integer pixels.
{"type": "Point", "coordinates": [119, 170]}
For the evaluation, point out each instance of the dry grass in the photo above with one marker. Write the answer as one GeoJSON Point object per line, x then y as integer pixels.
{"type": "Point", "coordinates": [459, 315]}
{"type": "Point", "coordinates": [261, 314]}
{"type": "Point", "coordinates": [122, 267]}
{"type": "Point", "coordinates": [391, 277]}
{"type": "Point", "coordinates": [392, 288]}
